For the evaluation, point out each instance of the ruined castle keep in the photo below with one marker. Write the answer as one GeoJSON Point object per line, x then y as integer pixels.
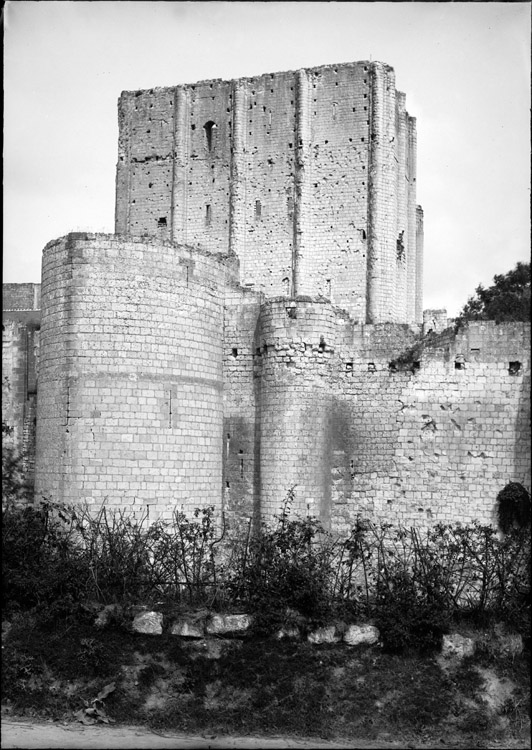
{"type": "Point", "coordinates": [256, 324]}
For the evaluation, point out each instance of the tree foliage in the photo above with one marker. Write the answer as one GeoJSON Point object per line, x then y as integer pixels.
{"type": "Point", "coordinates": [507, 300]}
{"type": "Point", "coordinates": [14, 487]}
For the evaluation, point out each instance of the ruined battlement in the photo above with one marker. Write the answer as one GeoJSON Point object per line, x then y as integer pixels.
{"type": "Point", "coordinates": [255, 324]}
{"type": "Point", "coordinates": [308, 176]}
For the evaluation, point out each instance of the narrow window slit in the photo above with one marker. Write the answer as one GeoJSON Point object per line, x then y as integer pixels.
{"type": "Point", "coordinates": [209, 134]}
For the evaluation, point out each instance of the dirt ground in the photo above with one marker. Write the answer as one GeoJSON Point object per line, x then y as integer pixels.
{"type": "Point", "coordinates": [28, 734]}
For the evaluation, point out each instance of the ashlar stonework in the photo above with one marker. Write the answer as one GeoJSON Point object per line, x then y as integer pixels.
{"type": "Point", "coordinates": [255, 323]}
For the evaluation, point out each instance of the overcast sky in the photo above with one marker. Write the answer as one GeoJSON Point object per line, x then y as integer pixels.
{"type": "Point", "coordinates": [465, 69]}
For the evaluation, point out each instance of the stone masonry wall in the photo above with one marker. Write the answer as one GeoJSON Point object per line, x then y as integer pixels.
{"type": "Point", "coordinates": [433, 439]}
{"type": "Point", "coordinates": [20, 347]}
{"type": "Point", "coordinates": [455, 436]}
{"type": "Point", "coordinates": [163, 383]}
{"type": "Point", "coordinates": [307, 176]}
{"type": "Point", "coordinates": [130, 382]}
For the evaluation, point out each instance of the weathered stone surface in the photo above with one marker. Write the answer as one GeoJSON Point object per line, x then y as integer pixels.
{"type": "Point", "coordinates": [357, 635]}
{"type": "Point", "coordinates": [327, 634]}
{"type": "Point", "coordinates": [456, 646]}
{"type": "Point", "coordinates": [228, 624]}
{"type": "Point", "coordinates": [148, 622]}
{"type": "Point", "coordinates": [142, 297]}
{"type": "Point", "coordinates": [188, 628]}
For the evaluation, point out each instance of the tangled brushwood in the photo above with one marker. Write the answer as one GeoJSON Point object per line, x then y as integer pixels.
{"type": "Point", "coordinates": [411, 584]}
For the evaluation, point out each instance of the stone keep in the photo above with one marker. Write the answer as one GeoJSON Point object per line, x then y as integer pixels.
{"type": "Point", "coordinates": [309, 177]}
{"type": "Point", "coordinates": [255, 324]}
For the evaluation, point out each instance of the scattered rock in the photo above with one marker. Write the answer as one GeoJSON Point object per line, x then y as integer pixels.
{"type": "Point", "coordinates": [148, 622]}
{"type": "Point", "coordinates": [228, 624]}
{"type": "Point", "coordinates": [326, 634]}
{"type": "Point", "coordinates": [357, 635]}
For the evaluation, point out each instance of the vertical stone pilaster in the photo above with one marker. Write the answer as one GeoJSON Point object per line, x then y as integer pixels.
{"type": "Point", "coordinates": [402, 221]}
{"type": "Point", "coordinates": [237, 184]}
{"type": "Point", "coordinates": [382, 206]}
{"type": "Point", "coordinates": [179, 175]}
{"type": "Point", "coordinates": [419, 263]}
{"type": "Point", "coordinates": [123, 168]}
{"type": "Point", "coordinates": [411, 251]}
{"type": "Point", "coordinates": [302, 192]}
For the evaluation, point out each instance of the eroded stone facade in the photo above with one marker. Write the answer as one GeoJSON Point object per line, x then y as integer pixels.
{"type": "Point", "coordinates": [308, 176]}
{"type": "Point", "coordinates": [256, 324]}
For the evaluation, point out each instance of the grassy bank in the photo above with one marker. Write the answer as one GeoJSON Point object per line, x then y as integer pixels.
{"type": "Point", "coordinates": [263, 686]}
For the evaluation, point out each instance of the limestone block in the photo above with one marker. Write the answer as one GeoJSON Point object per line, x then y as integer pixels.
{"type": "Point", "coordinates": [148, 622]}
{"type": "Point", "coordinates": [457, 646]}
{"type": "Point", "coordinates": [357, 635]}
{"type": "Point", "coordinates": [188, 628]}
{"type": "Point", "coordinates": [327, 634]}
{"type": "Point", "coordinates": [228, 624]}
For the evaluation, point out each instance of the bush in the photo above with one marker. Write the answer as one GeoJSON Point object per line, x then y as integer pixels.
{"type": "Point", "coordinates": [409, 615]}
{"type": "Point", "coordinates": [40, 560]}
{"type": "Point", "coordinates": [14, 487]}
{"type": "Point", "coordinates": [54, 556]}
{"type": "Point", "coordinates": [284, 567]}
{"type": "Point", "coordinates": [411, 606]}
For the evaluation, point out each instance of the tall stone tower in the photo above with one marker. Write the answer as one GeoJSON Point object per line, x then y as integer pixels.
{"type": "Point", "coordinates": [308, 176]}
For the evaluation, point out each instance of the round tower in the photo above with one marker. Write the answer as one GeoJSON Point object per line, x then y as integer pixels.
{"type": "Point", "coordinates": [130, 374]}
{"type": "Point", "coordinates": [295, 344]}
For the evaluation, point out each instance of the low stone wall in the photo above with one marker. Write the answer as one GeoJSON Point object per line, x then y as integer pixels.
{"type": "Point", "coordinates": [205, 629]}
{"type": "Point", "coordinates": [203, 624]}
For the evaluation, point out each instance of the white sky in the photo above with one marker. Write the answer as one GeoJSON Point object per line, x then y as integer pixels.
{"type": "Point", "coordinates": [465, 69]}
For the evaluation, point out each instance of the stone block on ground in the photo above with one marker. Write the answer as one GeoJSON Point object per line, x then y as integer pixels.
{"type": "Point", "coordinates": [358, 635]}
{"type": "Point", "coordinates": [187, 627]}
{"type": "Point", "coordinates": [326, 634]}
{"type": "Point", "coordinates": [228, 624]}
{"type": "Point", "coordinates": [148, 622]}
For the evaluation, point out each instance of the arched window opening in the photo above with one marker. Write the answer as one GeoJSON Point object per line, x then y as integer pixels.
{"type": "Point", "coordinates": [209, 128]}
